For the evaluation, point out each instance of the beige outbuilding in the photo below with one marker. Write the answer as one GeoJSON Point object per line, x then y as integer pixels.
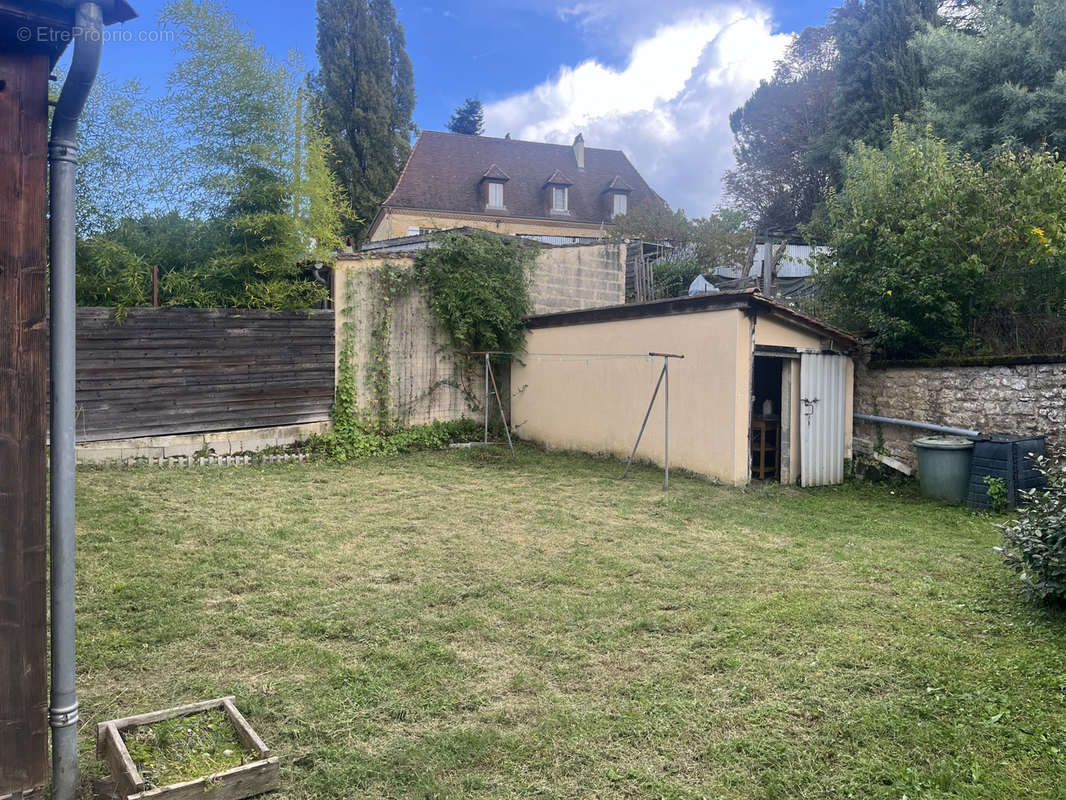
{"type": "Point", "coordinates": [763, 391]}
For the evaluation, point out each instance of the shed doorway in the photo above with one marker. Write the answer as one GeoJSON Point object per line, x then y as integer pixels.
{"type": "Point", "coordinates": [769, 427]}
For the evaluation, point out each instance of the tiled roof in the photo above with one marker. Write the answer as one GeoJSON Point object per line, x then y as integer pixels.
{"type": "Point", "coordinates": [444, 170]}
{"type": "Point", "coordinates": [495, 173]}
{"type": "Point", "coordinates": [558, 179]}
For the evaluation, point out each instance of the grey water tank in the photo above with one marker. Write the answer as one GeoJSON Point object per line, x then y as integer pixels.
{"type": "Point", "coordinates": [944, 467]}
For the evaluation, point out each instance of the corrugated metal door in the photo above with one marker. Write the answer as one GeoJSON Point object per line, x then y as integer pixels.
{"type": "Point", "coordinates": [823, 396]}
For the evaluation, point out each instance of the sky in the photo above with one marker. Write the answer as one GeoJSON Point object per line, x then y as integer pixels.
{"type": "Point", "coordinates": [654, 78]}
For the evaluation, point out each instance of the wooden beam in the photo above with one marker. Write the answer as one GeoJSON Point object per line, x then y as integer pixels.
{"type": "Point", "coordinates": [23, 376]}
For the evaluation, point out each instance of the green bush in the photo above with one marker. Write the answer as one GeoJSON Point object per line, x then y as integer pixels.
{"type": "Point", "coordinates": [355, 443]}
{"type": "Point", "coordinates": [672, 278]}
{"type": "Point", "coordinates": [1036, 539]}
{"type": "Point", "coordinates": [931, 252]}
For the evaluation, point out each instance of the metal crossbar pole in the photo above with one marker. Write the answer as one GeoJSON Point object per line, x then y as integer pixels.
{"type": "Point", "coordinates": [644, 424]}
{"type": "Point", "coordinates": [486, 403]}
{"type": "Point", "coordinates": [664, 378]}
{"type": "Point", "coordinates": [503, 416]}
{"type": "Point", "coordinates": [666, 424]}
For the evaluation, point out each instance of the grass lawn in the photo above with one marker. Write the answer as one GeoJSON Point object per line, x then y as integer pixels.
{"type": "Point", "coordinates": [442, 625]}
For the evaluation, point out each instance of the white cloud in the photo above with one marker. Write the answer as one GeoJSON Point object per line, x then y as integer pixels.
{"type": "Point", "coordinates": [668, 108]}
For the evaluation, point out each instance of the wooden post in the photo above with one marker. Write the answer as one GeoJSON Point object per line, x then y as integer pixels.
{"type": "Point", "coordinates": [23, 377]}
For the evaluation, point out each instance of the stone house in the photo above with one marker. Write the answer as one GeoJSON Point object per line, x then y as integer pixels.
{"type": "Point", "coordinates": [557, 193]}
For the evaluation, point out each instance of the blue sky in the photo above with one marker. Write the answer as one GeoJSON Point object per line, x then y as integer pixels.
{"type": "Point", "coordinates": [655, 78]}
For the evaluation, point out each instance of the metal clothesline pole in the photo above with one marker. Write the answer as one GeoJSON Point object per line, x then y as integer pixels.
{"type": "Point", "coordinates": [664, 377]}
{"type": "Point", "coordinates": [644, 424]}
{"type": "Point", "coordinates": [490, 375]}
{"type": "Point", "coordinates": [503, 416]}
{"type": "Point", "coordinates": [666, 424]}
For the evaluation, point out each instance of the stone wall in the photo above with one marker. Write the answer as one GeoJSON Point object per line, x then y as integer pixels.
{"type": "Point", "coordinates": [1005, 398]}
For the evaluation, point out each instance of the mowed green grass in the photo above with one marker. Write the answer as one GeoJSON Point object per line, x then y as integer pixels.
{"type": "Point", "coordinates": [447, 625]}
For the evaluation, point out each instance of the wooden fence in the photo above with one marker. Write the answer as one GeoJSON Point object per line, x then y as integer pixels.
{"type": "Point", "coordinates": [188, 370]}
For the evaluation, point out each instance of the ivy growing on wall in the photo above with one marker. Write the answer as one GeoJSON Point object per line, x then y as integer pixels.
{"type": "Point", "coordinates": [389, 282]}
{"type": "Point", "coordinates": [344, 414]}
{"type": "Point", "coordinates": [478, 287]}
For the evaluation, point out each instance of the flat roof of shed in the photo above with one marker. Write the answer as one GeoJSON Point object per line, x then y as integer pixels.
{"type": "Point", "coordinates": [745, 299]}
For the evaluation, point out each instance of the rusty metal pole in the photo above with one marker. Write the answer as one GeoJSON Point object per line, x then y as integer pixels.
{"type": "Point", "coordinates": [503, 416]}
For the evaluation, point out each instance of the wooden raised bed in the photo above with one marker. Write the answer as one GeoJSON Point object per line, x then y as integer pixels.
{"type": "Point", "coordinates": [252, 778]}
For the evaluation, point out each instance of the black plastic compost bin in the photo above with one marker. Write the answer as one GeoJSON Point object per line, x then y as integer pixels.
{"type": "Point", "coordinates": [1005, 457]}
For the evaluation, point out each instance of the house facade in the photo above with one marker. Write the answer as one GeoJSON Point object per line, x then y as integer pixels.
{"type": "Point", "coordinates": [569, 193]}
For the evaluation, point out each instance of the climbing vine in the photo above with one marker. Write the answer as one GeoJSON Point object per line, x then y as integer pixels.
{"type": "Point", "coordinates": [478, 287]}
{"type": "Point", "coordinates": [390, 282]}
{"type": "Point", "coordinates": [344, 414]}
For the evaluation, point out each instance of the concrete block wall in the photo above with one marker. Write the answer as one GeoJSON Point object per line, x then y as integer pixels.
{"type": "Point", "coordinates": [427, 382]}
{"type": "Point", "coordinates": [1020, 399]}
{"type": "Point", "coordinates": [576, 277]}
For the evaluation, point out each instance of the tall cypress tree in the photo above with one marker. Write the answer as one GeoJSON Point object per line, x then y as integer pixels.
{"type": "Point", "coordinates": [366, 95]}
{"type": "Point", "coordinates": [879, 71]}
{"type": "Point", "coordinates": [780, 137]}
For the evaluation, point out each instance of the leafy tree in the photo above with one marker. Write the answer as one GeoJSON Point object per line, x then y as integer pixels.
{"type": "Point", "coordinates": [230, 102]}
{"type": "Point", "coordinates": [124, 155]}
{"type": "Point", "coordinates": [264, 200]}
{"type": "Point", "coordinates": [365, 94]}
{"type": "Point", "coordinates": [929, 251]}
{"type": "Point", "coordinates": [468, 118]}
{"type": "Point", "coordinates": [780, 137]}
{"type": "Point", "coordinates": [719, 239]}
{"type": "Point", "coordinates": [115, 266]}
{"type": "Point", "coordinates": [997, 74]}
{"type": "Point", "coordinates": [323, 210]}
{"type": "Point", "coordinates": [879, 72]}
{"type": "Point", "coordinates": [263, 243]}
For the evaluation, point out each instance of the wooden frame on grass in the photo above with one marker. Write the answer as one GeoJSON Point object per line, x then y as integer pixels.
{"type": "Point", "coordinates": [255, 777]}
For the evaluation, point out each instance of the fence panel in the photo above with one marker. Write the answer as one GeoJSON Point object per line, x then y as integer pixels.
{"type": "Point", "coordinates": [189, 370]}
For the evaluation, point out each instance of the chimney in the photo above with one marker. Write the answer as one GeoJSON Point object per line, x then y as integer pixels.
{"type": "Point", "coordinates": [579, 151]}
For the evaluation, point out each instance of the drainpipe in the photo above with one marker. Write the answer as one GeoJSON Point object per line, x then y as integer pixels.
{"type": "Point", "coordinates": [63, 164]}
{"type": "Point", "coordinates": [926, 426]}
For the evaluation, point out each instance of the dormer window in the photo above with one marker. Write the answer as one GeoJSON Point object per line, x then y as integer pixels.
{"type": "Point", "coordinates": [559, 199]}
{"type": "Point", "coordinates": [492, 194]}
{"type": "Point", "coordinates": [617, 193]}
{"type": "Point", "coordinates": [558, 186]}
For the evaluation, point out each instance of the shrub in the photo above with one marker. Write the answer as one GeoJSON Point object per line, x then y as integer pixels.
{"type": "Point", "coordinates": [1036, 539]}
{"type": "Point", "coordinates": [672, 278]}
{"type": "Point", "coordinates": [931, 252]}
{"type": "Point", "coordinates": [354, 442]}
